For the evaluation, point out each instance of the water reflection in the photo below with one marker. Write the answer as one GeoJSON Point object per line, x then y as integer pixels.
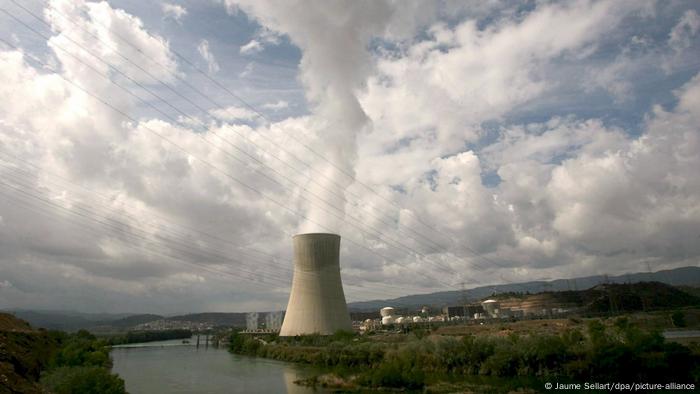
{"type": "Point", "coordinates": [290, 375]}
{"type": "Point", "coordinates": [165, 367]}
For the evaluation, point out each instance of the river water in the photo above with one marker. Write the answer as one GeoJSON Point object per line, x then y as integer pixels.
{"type": "Point", "coordinates": [173, 367]}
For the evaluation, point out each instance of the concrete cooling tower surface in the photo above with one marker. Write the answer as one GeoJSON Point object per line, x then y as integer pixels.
{"type": "Point", "coordinates": [316, 302]}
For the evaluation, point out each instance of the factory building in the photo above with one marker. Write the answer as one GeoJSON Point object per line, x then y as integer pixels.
{"type": "Point", "coordinates": [273, 321]}
{"type": "Point", "coordinates": [252, 321]}
{"type": "Point", "coordinates": [462, 311]}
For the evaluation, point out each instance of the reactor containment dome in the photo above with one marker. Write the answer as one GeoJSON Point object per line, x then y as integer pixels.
{"type": "Point", "coordinates": [316, 302]}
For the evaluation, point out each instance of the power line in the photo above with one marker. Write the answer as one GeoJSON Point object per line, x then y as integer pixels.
{"type": "Point", "coordinates": [220, 137]}
{"type": "Point", "coordinates": [174, 121]}
{"type": "Point", "coordinates": [263, 116]}
{"type": "Point", "coordinates": [176, 245]}
{"type": "Point", "coordinates": [377, 234]}
{"type": "Point", "coordinates": [17, 191]}
{"type": "Point", "coordinates": [208, 98]}
{"type": "Point", "coordinates": [252, 275]}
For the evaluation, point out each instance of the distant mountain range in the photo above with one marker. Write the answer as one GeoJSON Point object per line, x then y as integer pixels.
{"type": "Point", "coordinates": [65, 320]}
{"type": "Point", "coordinates": [685, 276]}
{"type": "Point", "coordinates": [72, 321]}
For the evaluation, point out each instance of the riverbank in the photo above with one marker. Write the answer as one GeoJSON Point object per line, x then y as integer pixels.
{"type": "Point", "coordinates": [612, 350]}
{"type": "Point", "coordinates": [40, 361]}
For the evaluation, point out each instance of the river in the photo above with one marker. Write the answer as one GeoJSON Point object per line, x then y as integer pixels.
{"type": "Point", "coordinates": [173, 367]}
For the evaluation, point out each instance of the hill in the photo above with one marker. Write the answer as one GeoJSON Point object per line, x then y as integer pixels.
{"type": "Point", "coordinates": [24, 353]}
{"type": "Point", "coordinates": [11, 323]}
{"type": "Point", "coordinates": [215, 318]}
{"type": "Point", "coordinates": [685, 276]}
{"type": "Point", "coordinates": [605, 298]}
{"type": "Point", "coordinates": [73, 321]}
{"type": "Point", "coordinates": [65, 320]}
{"type": "Point", "coordinates": [131, 321]}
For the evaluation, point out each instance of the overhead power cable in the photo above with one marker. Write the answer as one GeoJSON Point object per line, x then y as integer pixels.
{"type": "Point", "coordinates": [183, 248]}
{"type": "Point", "coordinates": [166, 85]}
{"type": "Point", "coordinates": [184, 97]}
{"type": "Point", "coordinates": [454, 242]}
{"type": "Point", "coordinates": [344, 218]}
{"type": "Point", "coordinates": [23, 197]}
{"type": "Point", "coordinates": [227, 175]}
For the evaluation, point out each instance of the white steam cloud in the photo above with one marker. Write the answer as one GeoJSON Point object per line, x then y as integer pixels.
{"type": "Point", "coordinates": [335, 64]}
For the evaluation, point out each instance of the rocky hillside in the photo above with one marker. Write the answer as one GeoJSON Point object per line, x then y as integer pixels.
{"type": "Point", "coordinates": [10, 323]}
{"type": "Point", "coordinates": [24, 353]}
{"type": "Point", "coordinates": [604, 298]}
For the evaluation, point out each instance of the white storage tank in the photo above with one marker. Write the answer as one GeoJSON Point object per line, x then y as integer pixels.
{"type": "Point", "coordinates": [491, 307]}
{"type": "Point", "coordinates": [386, 311]}
{"type": "Point", "coordinates": [386, 320]}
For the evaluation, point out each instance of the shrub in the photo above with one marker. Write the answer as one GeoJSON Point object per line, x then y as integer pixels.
{"type": "Point", "coordinates": [678, 318]}
{"type": "Point", "coordinates": [82, 349]}
{"type": "Point", "coordinates": [619, 352]}
{"type": "Point", "coordinates": [82, 380]}
{"type": "Point", "coordinates": [396, 373]}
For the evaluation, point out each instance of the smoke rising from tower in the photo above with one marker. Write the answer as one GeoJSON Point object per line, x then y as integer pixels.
{"type": "Point", "coordinates": [335, 63]}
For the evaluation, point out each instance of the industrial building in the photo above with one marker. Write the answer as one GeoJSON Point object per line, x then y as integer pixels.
{"type": "Point", "coordinates": [462, 311]}
{"type": "Point", "coordinates": [273, 321]}
{"type": "Point", "coordinates": [252, 321]}
{"type": "Point", "coordinates": [316, 301]}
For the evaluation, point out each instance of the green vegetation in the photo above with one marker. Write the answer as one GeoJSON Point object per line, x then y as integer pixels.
{"type": "Point", "coordinates": [76, 380]}
{"type": "Point", "coordinates": [23, 356]}
{"type": "Point", "coordinates": [81, 364]}
{"type": "Point", "coordinates": [148, 336]}
{"type": "Point", "coordinates": [39, 361]}
{"type": "Point", "coordinates": [678, 318]}
{"type": "Point", "coordinates": [620, 351]}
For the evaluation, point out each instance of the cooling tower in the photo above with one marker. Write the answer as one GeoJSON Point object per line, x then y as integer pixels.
{"type": "Point", "coordinates": [316, 302]}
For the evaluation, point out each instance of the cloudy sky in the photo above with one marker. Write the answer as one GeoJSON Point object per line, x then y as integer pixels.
{"type": "Point", "coordinates": [158, 156]}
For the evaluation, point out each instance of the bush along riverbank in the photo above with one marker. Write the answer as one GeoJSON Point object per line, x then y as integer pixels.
{"type": "Point", "coordinates": [39, 361]}
{"type": "Point", "coordinates": [147, 336]}
{"type": "Point", "coordinates": [618, 352]}
{"type": "Point", "coordinates": [81, 364]}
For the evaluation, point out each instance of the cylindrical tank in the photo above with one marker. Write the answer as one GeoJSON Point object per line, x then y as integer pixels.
{"type": "Point", "coordinates": [316, 301]}
{"type": "Point", "coordinates": [490, 306]}
{"type": "Point", "coordinates": [386, 311]}
{"type": "Point", "coordinates": [400, 320]}
{"type": "Point", "coordinates": [417, 319]}
{"type": "Point", "coordinates": [386, 320]}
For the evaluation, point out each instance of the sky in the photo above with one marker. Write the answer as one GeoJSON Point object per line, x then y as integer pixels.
{"type": "Point", "coordinates": [159, 156]}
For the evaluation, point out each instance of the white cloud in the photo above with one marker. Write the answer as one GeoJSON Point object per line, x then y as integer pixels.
{"type": "Point", "coordinates": [79, 21]}
{"type": "Point", "coordinates": [409, 117]}
{"type": "Point", "coordinates": [251, 47]}
{"type": "Point", "coordinates": [173, 11]}
{"type": "Point", "coordinates": [686, 28]}
{"type": "Point", "coordinates": [276, 106]}
{"type": "Point", "coordinates": [247, 70]}
{"type": "Point", "coordinates": [233, 113]}
{"type": "Point", "coordinates": [203, 49]}
{"type": "Point", "coordinates": [682, 41]}
{"type": "Point", "coordinates": [262, 38]}
{"type": "Point", "coordinates": [470, 75]}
